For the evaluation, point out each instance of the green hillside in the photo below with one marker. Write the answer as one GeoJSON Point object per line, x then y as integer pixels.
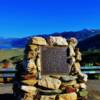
{"type": "Point", "coordinates": [7, 54]}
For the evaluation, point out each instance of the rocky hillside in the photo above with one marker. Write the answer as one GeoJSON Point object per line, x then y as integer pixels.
{"type": "Point", "coordinates": [90, 43]}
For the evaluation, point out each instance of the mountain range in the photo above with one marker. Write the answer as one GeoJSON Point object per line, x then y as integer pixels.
{"type": "Point", "coordinates": [88, 39]}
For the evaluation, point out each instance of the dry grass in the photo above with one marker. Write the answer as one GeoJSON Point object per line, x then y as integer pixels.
{"type": "Point", "coordinates": [6, 54]}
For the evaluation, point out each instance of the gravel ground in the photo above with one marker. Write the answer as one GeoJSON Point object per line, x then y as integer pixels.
{"type": "Point", "coordinates": [6, 92]}
{"type": "Point", "coordinates": [93, 88]}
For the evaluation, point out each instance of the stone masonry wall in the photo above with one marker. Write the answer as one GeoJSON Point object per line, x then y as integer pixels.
{"type": "Point", "coordinates": [29, 84]}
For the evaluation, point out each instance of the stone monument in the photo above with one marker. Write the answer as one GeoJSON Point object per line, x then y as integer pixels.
{"type": "Point", "coordinates": [50, 70]}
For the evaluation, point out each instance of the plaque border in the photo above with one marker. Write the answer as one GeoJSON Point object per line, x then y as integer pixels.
{"type": "Point", "coordinates": [42, 63]}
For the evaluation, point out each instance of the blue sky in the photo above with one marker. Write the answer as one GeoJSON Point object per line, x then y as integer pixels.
{"type": "Point", "coordinates": [20, 18]}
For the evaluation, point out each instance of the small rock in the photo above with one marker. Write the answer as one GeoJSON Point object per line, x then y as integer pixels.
{"type": "Point", "coordinates": [50, 97]}
{"type": "Point", "coordinates": [49, 82]}
{"type": "Point", "coordinates": [68, 96]}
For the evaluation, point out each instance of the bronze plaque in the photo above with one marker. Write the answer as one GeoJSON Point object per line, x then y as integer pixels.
{"type": "Point", "coordinates": [54, 60]}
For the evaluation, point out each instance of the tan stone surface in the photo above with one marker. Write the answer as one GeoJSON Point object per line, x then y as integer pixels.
{"type": "Point", "coordinates": [77, 66]}
{"type": "Point", "coordinates": [39, 41]}
{"type": "Point", "coordinates": [31, 51]}
{"type": "Point", "coordinates": [28, 96]}
{"type": "Point", "coordinates": [52, 97]}
{"type": "Point", "coordinates": [29, 89]}
{"type": "Point", "coordinates": [57, 40]}
{"type": "Point", "coordinates": [29, 82]}
{"type": "Point", "coordinates": [49, 82]}
{"type": "Point", "coordinates": [31, 66]}
{"type": "Point", "coordinates": [68, 96]}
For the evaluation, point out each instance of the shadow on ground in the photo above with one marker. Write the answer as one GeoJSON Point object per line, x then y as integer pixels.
{"type": "Point", "coordinates": [7, 97]}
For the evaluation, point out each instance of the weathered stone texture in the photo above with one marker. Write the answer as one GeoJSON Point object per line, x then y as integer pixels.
{"type": "Point", "coordinates": [50, 71]}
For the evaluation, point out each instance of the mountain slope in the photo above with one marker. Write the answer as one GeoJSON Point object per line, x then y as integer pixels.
{"type": "Point", "coordinates": [80, 35]}
{"type": "Point", "coordinates": [90, 43]}
{"type": "Point", "coordinates": [20, 42]}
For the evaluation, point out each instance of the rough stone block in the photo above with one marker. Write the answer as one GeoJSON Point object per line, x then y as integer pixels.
{"type": "Point", "coordinates": [68, 96]}
{"type": "Point", "coordinates": [49, 82]}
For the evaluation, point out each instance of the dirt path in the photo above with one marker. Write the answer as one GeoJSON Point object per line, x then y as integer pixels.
{"type": "Point", "coordinates": [94, 89]}
{"type": "Point", "coordinates": [6, 92]}
{"type": "Point", "coordinates": [5, 88]}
